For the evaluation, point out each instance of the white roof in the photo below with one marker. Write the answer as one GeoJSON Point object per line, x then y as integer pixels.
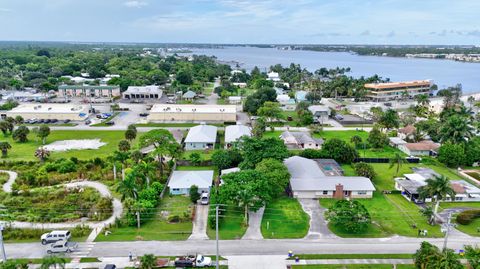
{"type": "Point", "coordinates": [50, 108]}
{"type": "Point", "coordinates": [234, 132]}
{"type": "Point", "coordinates": [186, 179]}
{"type": "Point", "coordinates": [152, 89]}
{"type": "Point", "coordinates": [283, 97]}
{"type": "Point", "coordinates": [397, 140]}
{"type": "Point", "coordinates": [174, 108]}
{"type": "Point", "coordinates": [273, 74]}
{"type": "Point", "coordinates": [230, 170]}
{"type": "Point", "coordinates": [314, 109]}
{"type": "Point", "coordinates": [235, 98]}
{"type": "Point", "coordinates": [416, 177]}
{"type": "Point", "coordinates": [202, 133]}
{"type": "Point", "coordinates": [306, 175]}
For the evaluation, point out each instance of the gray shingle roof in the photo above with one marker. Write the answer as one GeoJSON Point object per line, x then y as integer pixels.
{"type": "Point", "coordinates": [202, 133]}
{"type": "Point", "coordinates": [185, 179]}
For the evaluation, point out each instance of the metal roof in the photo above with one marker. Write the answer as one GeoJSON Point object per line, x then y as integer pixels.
{"type": "Point", "coordinates": [202, 133]}
{"type": "Point", "coordinates": [185, 179]}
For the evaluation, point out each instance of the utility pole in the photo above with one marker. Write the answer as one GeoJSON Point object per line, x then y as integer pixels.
{"type": "Point", "coordinates": [216, 235]}
{"type": "Point", "coordinates": [4, 255]}
{"type": "Point", "coordinates": [138, 220]}
{"type": "Point", "coordinates": [448, 230]}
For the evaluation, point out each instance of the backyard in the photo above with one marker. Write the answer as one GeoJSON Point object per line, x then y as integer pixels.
{"type": "Point", "coordinates": [25, 151]}
{"type": "Point", "coordinates": [231, 224]}
{"type": "Point", "coordinates": [284, 218]}
{"type": "Point", "coordinates": [158, 228]}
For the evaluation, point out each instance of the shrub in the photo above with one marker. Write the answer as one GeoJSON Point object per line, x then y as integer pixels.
{"type": "Point", "coordinates": [468, 216]}
{"type": "Point", "coordinates": [194, 195]}
{"type": "Point", "coordinates": [313, 154]}
{"type": "Point", "coordinates": [174, 218]}
{"type": "Point", "coordinates": [364, 170]}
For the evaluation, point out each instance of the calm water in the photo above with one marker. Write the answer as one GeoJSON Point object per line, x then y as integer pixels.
{"type": "Point", "coordinates": [443, 72]}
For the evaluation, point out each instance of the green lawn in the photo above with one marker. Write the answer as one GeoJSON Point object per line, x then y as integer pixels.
{"type": "Point", "coordinates": [351, 256]}
{"type": "Point", "coordinates": [231, 224]}
{"type": "Point", "coordinates": [208, 89]}
{"type": "Point", "coordinates": [353, 266]}
{"type": "Point", "coordinates": [25, 151]}
{"type": "Point", "coordinates": [157, 228]}
{"type": "Point", "coordinates": [205, 155]}
{"type": "Point", "coordinates": [180, 124]}
{"type": "Point", "coordinates": [284, 218]}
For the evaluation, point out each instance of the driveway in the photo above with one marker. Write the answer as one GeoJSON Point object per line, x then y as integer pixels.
{"type": "Point", "coordinates": [199, 230]}
{"type": "Point", "coordinates": [254, 225]}
{"type": "Point", "coordinates": [318, 224]}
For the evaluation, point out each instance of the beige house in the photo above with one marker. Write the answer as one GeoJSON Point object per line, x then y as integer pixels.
{"type": "Point", "coordinates": [50, 111]}
{"type": "Point", "coordinates": [88, 91]}
{"type": "Point", "coordinates": [193, 113]}
{"type": "Point", "coordinates": [422, 148]}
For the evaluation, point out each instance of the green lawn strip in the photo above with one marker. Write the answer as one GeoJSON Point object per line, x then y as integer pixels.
{"type": "Point", "coordinates": [471, 229]}
{"type": "Point", "coordinates": [36, 260]}
{"type": "Point", "coordinates": [208, 89]}
{"type": "Point", "coordinates": [89, 259]}
{"type": "Point", "coordinates": [53, 125]}
{"type": "Point", "coordinates": [205, 155]}
{"type": "Point", "coordinates": [180, 124]}
{"type": "Point", "coordinates": [284, 218]}
{"type": "Point", "coordinates": [103, 123]}
{"type": "Point", "coordinates": [231, 224]}
{"type": "Point", "coordinates": [25, 151]}
{"type": "Point", "coordinates": [354, 266]}
{"type": "Point", "coordinates": [351, 256]}
{"type": "Point", "coordinates": [158, 228]}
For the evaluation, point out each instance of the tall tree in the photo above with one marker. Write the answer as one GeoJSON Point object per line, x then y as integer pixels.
{"type": "Point", "coordinates": [254, 150]}
{"type": "Point", "coordinates": [130, 134]}
{"type": "Point", "coordinates": [164, 145]}
{"type": "Point", "coordinates": [437, 189]}
{"type": "Point", "coordinates": [21, 134]}
{"type": "Point", "coordinates": [43, 132]}
{"type": "Point", "coordinates": [271, 111]}
{"type": "Point", "coordinates": [128, 188]}
{"type": "Point", "coordinates": [390, 119]}
{"type": "Point", "coordinates": [259, 127]}
{"type": "Point", "coordinates": [123, 146]}
{"type": "Point", "coordinates": [276, 174]}
{"type": "Point", "coordinates": [397, 160]}
{"type": "Point", "coordinates": [42, 154]}
{"type": "Point", "coordinates": [356, 140]}
{"type": "Point", "coordinates": [456, 129]}
{"type": "Point", "coordinates": [122, 157]}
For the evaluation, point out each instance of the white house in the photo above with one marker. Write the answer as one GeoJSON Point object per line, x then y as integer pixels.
{"type": "Point", "coordinates": [234, 132]}
{"type": "Point", "coordinates": [300, 140]}
{"type": "Point", "coordinates": [189, 95]}
{"type": "Point", "coordinates": [309, 179]}
{"type": "Point", "coordinates": [320, 113]}
{"type": "Point", "coordinates": [422, 148]}
{"type": "Point", "coordinates": [273, 76]}
{"type": "Point", "coordinates": [301, 96]}
{"type": "Point", "coordinates": [286, 102]}
{"type": "Point", "coordinates": [201, 137]}
{"type": "Point", "coordinates": [181, 181]}
{"type": "Point", "coordinates": [396, 142]}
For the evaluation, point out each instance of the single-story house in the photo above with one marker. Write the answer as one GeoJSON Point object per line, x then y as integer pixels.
{"type": "Point", "coordinates": [300, 140]}
{"type": "Point", "coordinates": [309, 181]}
{"type": "Point", "coordinates": [234, 99]}
{"type": "Point", "coordinates": [406, 132]}
{"type": "Point", "coordinates": [396, 142]}
{"type": "Point", "coordinates": [189, 95]}
{"type": "Point", "coordinates": [286, 102]}
{"type": "Point", "coordinates": [273, 76]}
{"type": "Point", "coordinates": [234, 132]}
{"type": "Point", "coordinates": [422, 148]}
{"type": "Point", "coordinates": [181, 181]}
{"type": "Point", "coordinates": [320, 113]}
{"type": "Point", "coordinates": [300, 96]}
{"type": "Point", "coordinates": [410, 183]}
{"type": "Point", "coordinates": [201, 137]}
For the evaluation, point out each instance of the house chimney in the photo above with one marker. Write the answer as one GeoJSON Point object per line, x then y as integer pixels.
{"type": "Point", "coordinates": [338, 191]}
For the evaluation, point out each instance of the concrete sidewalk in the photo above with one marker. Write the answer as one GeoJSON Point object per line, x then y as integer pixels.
{"type": "Point", "coordinates": [350, 261]}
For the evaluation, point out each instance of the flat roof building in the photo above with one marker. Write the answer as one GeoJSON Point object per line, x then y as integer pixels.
{"type": "Point", "coordinates": [50, 111]}
{"type": "Point", "coordinates": [395, 90]}
{"type": "Point", "coordinates": [193, 113]}
{"type": "Point", "coordinates": [143, 92]}
{"type": "Point", "coordinates": [88, 91]}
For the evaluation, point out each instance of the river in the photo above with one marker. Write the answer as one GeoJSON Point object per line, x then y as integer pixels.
{"type": "Point", "coordinates": [443, 72]}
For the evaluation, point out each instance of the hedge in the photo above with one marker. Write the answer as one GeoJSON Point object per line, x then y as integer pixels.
{"type": "Point", "coordinates": [468, 216]}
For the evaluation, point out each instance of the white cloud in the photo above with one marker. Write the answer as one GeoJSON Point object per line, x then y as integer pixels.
{"type": "Point", "coordinates": [135, 4]}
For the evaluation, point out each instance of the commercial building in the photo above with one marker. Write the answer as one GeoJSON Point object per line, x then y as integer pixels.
{"type": "Point", "coordinates": [300, 140]}
{"type": "Point", "coordinates": [50, 111]}
{"type": "Point", "coordinates": [234, 132]}
{"type": "Point", "coordinates": [193, 113]}
{"type": "Point", "coordinates": [201, 137]}
{"type": "Point", "coordinates": [324, 179]}
{"type": "Point", "coordinates": [396, 90]}
{"type": "Point", "coordinates": [88, 91]}
{"type": "Point", "coordinates": [143, 92]}
{"type": "Point", "coordinates": [181, 181]}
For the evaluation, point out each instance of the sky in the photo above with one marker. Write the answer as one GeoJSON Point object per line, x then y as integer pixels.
{"type": "Point", "coordinates": [243, 21]}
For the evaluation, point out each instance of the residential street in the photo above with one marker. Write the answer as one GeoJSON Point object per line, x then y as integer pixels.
{"type": "Point", "coordinates": [249, 247]}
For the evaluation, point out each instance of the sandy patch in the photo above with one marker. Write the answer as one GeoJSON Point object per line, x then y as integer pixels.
{"type": "Point", "coordinates": [64, 145]}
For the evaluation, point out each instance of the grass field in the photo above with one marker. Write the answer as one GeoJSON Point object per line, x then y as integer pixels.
{"type": "Point", "coordinates": [25, 151]}
{"type": "Point", "coordinates": [353, 266]}
{"type": "Point", "coordinates": [179, 124]}
{"type": "Point", "coordinates": [157, 228]}
{"type": "Point", "coordinates": [284, 218]}
{"type": "Point", "coordinates": [231, 224]}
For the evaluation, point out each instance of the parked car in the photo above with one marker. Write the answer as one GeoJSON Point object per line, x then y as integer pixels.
{"type": "Point", "coordinates": [40, 121]}
{"type": "Point", "coordinates": [61, 247]}
{"type": "Point", "coordinates": [110, 123]}
{"type": "Point", "coordinates": [193, 261]}
{"type": "Point", "coordinates": [47, 121]}
{"type": "Point", "coordinates": [110, 266]}
{"type": "Point", "coordinates": [55, 236]}
{"type": "Point", "coordinates": [143, 114]}
{"type": "Point", "coordinates": [87, 122]}
{"type": "Point", "coordinates": [204, 198]}
{"type": "Point", "coordinates": [66, 121]}
{"type": "Point", "coordinates": [54, 121]}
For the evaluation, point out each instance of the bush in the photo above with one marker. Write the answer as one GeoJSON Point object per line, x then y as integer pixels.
{"type": "Point", "coordinates": [313, 154]}
{"type": "Point", "coordinates": [194, 195]}
{"type": "Point", "coordinates": [364, 170]}
{"type": "Point", "coordinates": [468, 216]}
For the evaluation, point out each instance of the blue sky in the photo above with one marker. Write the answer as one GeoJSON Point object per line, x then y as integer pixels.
{"type": "Point", "coordinates": [243, 21]}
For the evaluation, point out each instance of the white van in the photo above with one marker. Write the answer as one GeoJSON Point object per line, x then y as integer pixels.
{"type": "Point", "coordinates": [55, 236]}
{"type": "Point", "coordinates": [204, 198]}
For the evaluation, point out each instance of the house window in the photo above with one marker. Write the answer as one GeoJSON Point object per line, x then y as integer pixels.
{"type": "Point", "coordinates": [361, 192]}
{"type": "Point", "coordinates": [458, 198]}
{"type": "Point", "coordinates": [325, 192]}
{"type": "Point", "coordinates": [175, 189]}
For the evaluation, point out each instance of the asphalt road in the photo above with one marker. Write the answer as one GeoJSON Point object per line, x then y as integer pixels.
{"type": "Point", "coordinates": [248, 247]}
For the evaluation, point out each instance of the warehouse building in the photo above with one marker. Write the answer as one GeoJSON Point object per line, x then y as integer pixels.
{"type": "Point", "coordinates": [193, 113]}
{"type": "Point", "coordinates": [88, 91]}
{"type": "Point", "coordinates": [143, 92]}
{"type": "Point", "coordinates": [50, 111]}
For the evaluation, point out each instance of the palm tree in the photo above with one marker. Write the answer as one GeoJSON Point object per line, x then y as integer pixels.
{"type": "Point", "coordinates": [42, 154]}
{"type": "Point", "coordinates": [123, 146]}
{"type": "Point", "coordinates": [53, 261]}
{"type": "Point", "coordinates": [456, 129]}
{"type": "Point", "coordinates": [147, 261]}
{"type": "Point", "coordinates": [437, 188]}
{"type": "Point", "coordinates": [418, 136]}
{"type": "Point", "coordinates": [121, 157]}
{"type": "Point", "coordinates": [356, 140]}
{"type": "Point", "coordinates": [397, 160]}
{"type": "Point", "coordinates": [422, 99]}
{"type": "Point", "coordinates": [4, 127]}
{"type": "Point", "coordinates": [424, 256]}
{"type": "Point", "coordinates": [428, 213]}
{"type": "Point", "coordinates": [128, 187]}
{"type": "Point", "coordinates": [472, 254]}
{"type": "Point", "coordinates": [448, 259]}
{"type": "Point", "coordinates": [147, 169]}
{"type": "Point", "coordinates": [4, 147]}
